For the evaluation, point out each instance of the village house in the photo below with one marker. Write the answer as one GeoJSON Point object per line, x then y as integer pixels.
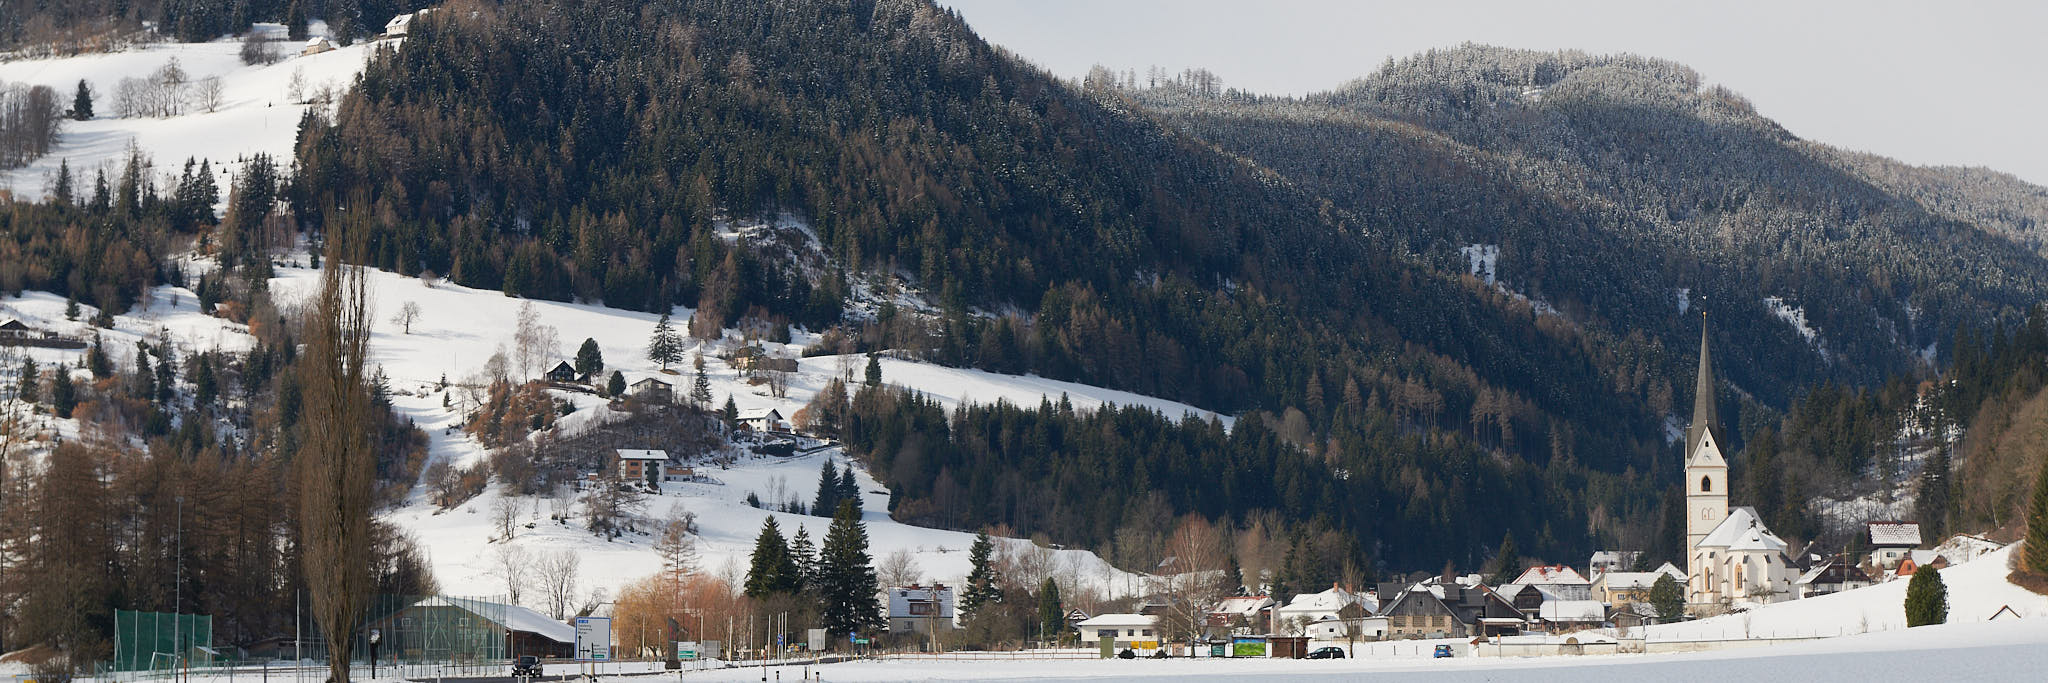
{"type": "Point", "coordinates": [763, 420]}
{"type": "Point", "coordinates": [1604, 561]}
{"type": "Point", "coordinates": [1241, 614]}
{"type": "Point", "coordinates": [920, 609]}
{"type": "Point", "coordinates": [1138, 632]}
{"type": "Point", "coordinates": [651, 389]}
{"type": "Point", "coordinates": [1890, 542]}
{"type": "Point", "coordinates": [1830, 577]}
{"type": "Point", "coordinates": [634, 465]}
{"type": "Point", "coordinates": [1343, 609]}
{"type": "Point", "coordinates": [561, 373]}
{"type": "Point", "coordinates": [399, 25]}
{"type": "Point", "coordinates": [1558, 580]}
{"type": "Point", "coordinates": [1917, 560]}
{"type": "Point", "coordinates": [316, 46]}
{"type": "Point", "coordinates": [1619, 589]}
{"type": "Point", "coordinates": [1448, 611]}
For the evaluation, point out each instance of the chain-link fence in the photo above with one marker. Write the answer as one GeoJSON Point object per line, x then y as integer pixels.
{"type": "Point", "coordinates": [405, 636]}
{"type": "Point", "coordinates": [146, 641]}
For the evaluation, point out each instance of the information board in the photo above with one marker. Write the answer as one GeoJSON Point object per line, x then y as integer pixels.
{"type": "Point", "coordinates": [686, 650]}
{"type": "Point", "coordinates": [593, 639]}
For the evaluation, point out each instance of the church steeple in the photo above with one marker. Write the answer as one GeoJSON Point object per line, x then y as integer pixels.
{"type": "Point", "coordinates": [1704, 415]}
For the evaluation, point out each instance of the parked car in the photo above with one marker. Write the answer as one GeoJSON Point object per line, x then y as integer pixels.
{"type": "Point", "coordinates": [528, 666]}
{"type": "Point", "coordinates": [1327, 653]}
{"type": "Point", "coordinates": [1442, 652]}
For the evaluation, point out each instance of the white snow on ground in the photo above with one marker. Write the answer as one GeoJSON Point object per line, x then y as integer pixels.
{"type": "Point", "coordinates": [256, 115]}
{"type": "Point", "coordinates": [1977, 589]}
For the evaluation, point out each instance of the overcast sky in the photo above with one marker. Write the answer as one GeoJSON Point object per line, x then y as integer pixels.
{"type": "Point", "coordinates": [1931, 82]}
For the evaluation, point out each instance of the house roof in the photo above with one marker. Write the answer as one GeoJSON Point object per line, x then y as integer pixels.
{"type": "Point", "coordinates": [1552, 575]}
{"type": "Point", "coordinates": [1122, 619]}
{"type": "Point", "coordinates": [1757, 538]}
{"type": "Point", "coordinates": [641, 454]}
{"type": "Point", "coordinates": [398, 24]}
{"type": "Point", "coordinates": [1733, 527]}
{"type": "Point", "coordinates": [1831, 572]}
{"type": "Point", "coordinates": [650, 379]}
{"type": "Point", "coordinates": [511, 617]}
{"type": "Point", "coordinates": [13, 324]}
{"type": "Point", "coordinates": [1327, 601]}
{"type": "Point", "coordinates": [760, 414]}
{"type": "Point", "coordinates": [1894, 534]}
{"type": "Point", "coordinates": [1633, 580]}
{"type": "Point", "coordinates": [1245, 605]}
{"type": "Point", "coordinates": [1572, 610]}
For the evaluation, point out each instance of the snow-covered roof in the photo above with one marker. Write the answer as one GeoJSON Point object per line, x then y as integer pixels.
{"type": "Point", "coordinates": [1328, 601]}
{"type": "Point", "coordinates": [1552, 575]}
{"type": "Point", "coordinates": [649, 380]}
{"type": "Point", "coordinates": [317, 42]}
{"type": "Point", "coordinates": [511, 617]}
{"type": "Point", "coordinates": [1966, 547]}
{"type": "Point", "coordinates": [1731, 528]}
{"type": "Point", "coordinates": [1110, 620]}
{"type": "Point", "coordinates": [1757, 538]}
{"type": "Point", "coordinates": [398, 24]}
{"type": "Point", "coordinates": [1247, 606]}
{"type": "Point", "coordinates": [641, 454]}
{"type": "Point", "coordinates": [1884, 534]}
{"type": "Point", "coordinates": [1634, 580]}
{"type": "Point", "coordinates": [1572, 610]}
{"type": "Point", "coordinates": [760, 414]}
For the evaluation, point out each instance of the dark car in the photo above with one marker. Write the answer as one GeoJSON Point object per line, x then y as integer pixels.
{"type": "Point", "coordinates": [1327, 653]}
{"type": "Point", "coordinates": [1442, 652]}
{"type": "Point", "coordinates": [527, 666]}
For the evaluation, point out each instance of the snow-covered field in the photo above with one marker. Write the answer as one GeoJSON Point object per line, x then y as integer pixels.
{"type": "Point", "coordinates": [257, 113]}
{"type": "Point", "coordinates": [1977, 589]}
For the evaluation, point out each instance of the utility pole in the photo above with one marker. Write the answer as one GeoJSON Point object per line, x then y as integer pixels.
{"type": "Point", "coordinates": [178, 593]}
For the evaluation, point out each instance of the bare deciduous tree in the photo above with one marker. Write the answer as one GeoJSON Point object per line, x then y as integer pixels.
{"type": "Point", "coordinates": [1195, 550]}
{"type": "Point", "coordinates": [515, 566]}
{"type": "Point", "coordinates": [557, 573]}
{"type": "Point", "coordinates": [678, 550]}
{"type": "Point", "coordinates": [532, 342]}
{"type": "Point", "coordinates": [335, 465]}
{"type": "Point", "coordinates": [899, 568]}
{"type": "Point", "coordinates": [505, 515]}
{"type": "Point", "coordinates": [407, 315]}
{"type": "Point", "coordinates": [209, 95]}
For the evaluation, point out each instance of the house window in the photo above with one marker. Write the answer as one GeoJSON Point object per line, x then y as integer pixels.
{"type": "Point", "coordinates": [1147, 632]}
{"type": "Point", "coordinates": [920, 609]}
{"type": "Point", "coordinates": [1130, 632]}
{"type": "Point", "coordinates": [1105, 633]}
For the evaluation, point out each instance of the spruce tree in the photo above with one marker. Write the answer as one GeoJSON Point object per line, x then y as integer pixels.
{"type": "Point", "coordinates": [846, 577]}
{"type": "Point", "coordinates": [71, 308]}
{"type": "Point", "coordinates": [700, 388]}
{"type": "Point", "coordinates": [62, 194]}
{"type": "Point", "coordinates": [63, 396]}
{"type": "Point", "coordinates": [589, 360]}
{"type": "Point", "coordinates": [730, 413]}
{"type": "Point", "coordinates": [664, 346]}
{"type": "Point", "coordinates": [874, 374]}
{"type": "Point", "coordinates": [295, 22]}
{"type": "Point", "coordinates": [849, 488]}
{"type": "Point", "coordinates": [2034, 553]}
{"type": "Point", "coordinates": [1052, 618]}
{"type": "Point", "coordinates": [1507, 565]}
{"type": "Point", "coordinates": [803, 554]}
{"type": "Point", "coordinates": [771, 570]}
{"type": "Point", "coordinates": [1233, 576]}
{"type": "Point", "coordinates": [29, 381]}
{"type": "Point", "coordinates": [983, 584]}
{"type": "Point", "coordinates": [97, 361]}
{"type": "Point", "coordinates": [81, 102]}
{"type": "Point", "coordinates": [828, 490]}
{"type": "Point", "coordinates": [616, 386]}
{"type": "Point", "coordinates": [1667, 598]}
{"type": "Point", "coordinates": [1926, 598]}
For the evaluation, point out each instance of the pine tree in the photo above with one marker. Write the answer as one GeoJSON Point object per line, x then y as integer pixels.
{"type": "Point", "coordinates": [983, 584]}
{"type": "Point", "coordinates": [874, 374]}
{"type": "Point", "coordinates": [700, 388]}
{"type": "Point", "coordinates": [63, 396]}
{"type": "Point", "coordinates": [1507, 565]}
{"type": "Point", "coordinates": [589, 359]}
{"type": "Point", "coordinates": [616, 386]}
{"type": "Point", "coordinates": [664, 346]}
{"type": "Point", "coordinates": [848, 489]}
{"type": "Point", "coordinates": [1233, 576]}
{"type": "Point", "coordinates": [2034, 553]}
{"type": "Point", "coordinates": [828, 489]}
{"type": "Point", "coordinates": [295, 22]}
{"type": "Point", "coordinates": [771, 570]}
{"type": "Point", "coordinates": [29, 380]}
{"type": "Point", "coordinates": [97, 361]}
{"type": "Point", "coordinates": [62, 193]}
{"type": "Point", "coordinates": [1926, 598]}
{"type": "Point", "coordinates": [1667, 598]}
{"type": "Point", "coordinates": [730, 413]}
{"type": "Point", "coordinates": [71, 308]}
{"type": "Point", "coordinates": [81, 102]}
{"type": "Point", "coordinates": [1052, 618]}
{"type": "Point", "coordinates": [803, 554]}
{"type": "Point", "coordinates": [846, 581]}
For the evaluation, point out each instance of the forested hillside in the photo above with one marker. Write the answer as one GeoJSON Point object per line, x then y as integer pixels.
{"type": "Point", "coordinates": [1298, 261]}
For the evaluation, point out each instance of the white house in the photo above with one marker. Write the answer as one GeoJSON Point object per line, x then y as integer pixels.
{"type": "Point", "coordinates": [1140, 632]}
{"type": "Point", "coordinates": [635, 464]}
{"type": "Point", "coordinates": [316, 46]}
{"type": "Point", "coordinates": [398, 25]}
{"type": "Point", "coordinates": [1891, 542]}
{"type": "Point", "coordinates": [920, 609]}
{"type": "Point", "coordinates": [1618, 589]}
{"type": "Point", "coordinates": [1558, 580]}
{"type": "Point", "coordinates": [1246, 611]}
{"type": "Point", "coordinates": [1571, 615]}
{"type": "Point", "coordinates": [1830, 577]}
{"type": "Point", "coordinates": [763, 420]}
{"type": "Point", "coordinates": [651, 389]}
{"type": "Point", "coordinates": [1342, 606]}
{"type": "Point", "coordinates": [1604, 561]}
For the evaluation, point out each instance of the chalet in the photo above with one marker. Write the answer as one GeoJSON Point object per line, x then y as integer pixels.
{"type": "Point", "coordinates": [399, 25]}
{"type": "Point", "coordinates": [562, 373]}
{"type": "Point", "coordinates": [1891, 541]}
{"type": "Point", "coordinates": [1138, 632]}
{"type": "Point", "coordinates": [1343, 607]}
{"type": "Point", "coordinates": [1558, 580]}
{"type": "Point", "coordinates": [920, 609]}
{"type": "Point", "coordinates": [1242, 614]}
{"type": "Point", "coordinates": [1604, 561]}
{"type": "Point", "coordinates": [316, 46]}
{"type": "Point", "coordinates": [16, 329]}
{"type": "Point", "coordinates": [634, 464]}
{"type": "Point", "coordinates": [652, 389]}
{"type": "Point", "coordinates": [763, 420]}
{"type": "Point", "coordinates": [1617, 589]}
{"type": "Point", "coordinates": [1830, 577]}
{"type": "Point", "coordinates": [428, 628]}
{"type": "Point", "coordinates": [1435, 610]}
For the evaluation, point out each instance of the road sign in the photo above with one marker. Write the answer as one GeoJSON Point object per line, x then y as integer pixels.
{"type": "Point", "coordinates": [860, 641]}
{"type": "Point", "coordinates": [816, 639]}
{"type": "Point", "coordinates": [593, 639]}
{"type": "Point", "coordinates": [686, 650]}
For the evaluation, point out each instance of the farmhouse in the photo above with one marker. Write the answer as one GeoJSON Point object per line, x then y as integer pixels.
{"type": "Point", "coordinates": [652, 389]}
{"type": "Point", "coordinates": [1891, 542]}
{"type": "Point", "coordinates": [920, 609]}
{"type": "Point", "coordinates": [635, 464]}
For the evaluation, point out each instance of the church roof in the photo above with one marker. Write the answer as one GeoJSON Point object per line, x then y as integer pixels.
{"type": "Point", "coordinates": [1758, 538]}
{"type": "Point", "coordinates": [1735, 529]}
{"type": "Point", "coordinates": [1704, 414]}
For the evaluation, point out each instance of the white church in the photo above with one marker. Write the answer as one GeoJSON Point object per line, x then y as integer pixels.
{"type": "Point", "coordinates": [1730, 555]}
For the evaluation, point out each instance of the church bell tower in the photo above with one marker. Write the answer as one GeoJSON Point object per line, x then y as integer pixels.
{"type": "Point", "coordinates": [1706, 472]}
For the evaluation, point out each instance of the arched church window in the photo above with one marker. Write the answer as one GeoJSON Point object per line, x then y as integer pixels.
{"type": "Point", "coordinates": [1706, 484]}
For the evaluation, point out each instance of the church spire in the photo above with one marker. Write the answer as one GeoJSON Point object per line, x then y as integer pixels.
{"type": "Point", "coordinates": [1703, 413]}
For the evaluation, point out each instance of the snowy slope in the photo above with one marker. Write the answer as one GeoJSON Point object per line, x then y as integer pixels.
{"type": "Point", "coordinates": [1976, 591]}
{"type": "Point", "coordinates": [257, 116]}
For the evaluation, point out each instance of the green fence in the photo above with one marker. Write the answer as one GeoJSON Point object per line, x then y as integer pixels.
{"type": "Point", "coordinates": [146, 641]}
